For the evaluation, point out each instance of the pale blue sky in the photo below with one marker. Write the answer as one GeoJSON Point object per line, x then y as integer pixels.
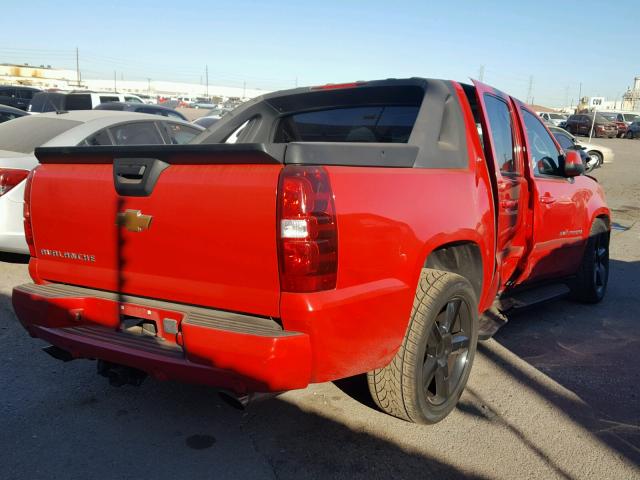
{"type": "Point", "coordinates": [271, 44]}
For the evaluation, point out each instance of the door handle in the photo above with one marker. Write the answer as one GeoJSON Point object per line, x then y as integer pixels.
{"type": "Point", "coordinates": [547, 199]}
{"type": "Point", "coordinates": [508, 204]}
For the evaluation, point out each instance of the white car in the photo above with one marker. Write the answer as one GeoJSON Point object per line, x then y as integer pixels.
{"type": "Point", "coordinates": [552, 117]}
{"type": "Point", "coordinates": [21, 136]}
{"type": "Point", "coordinates": [598, 154]}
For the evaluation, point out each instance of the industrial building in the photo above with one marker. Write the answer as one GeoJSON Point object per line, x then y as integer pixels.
{"type": "Point", "coordinates": [47, 77]}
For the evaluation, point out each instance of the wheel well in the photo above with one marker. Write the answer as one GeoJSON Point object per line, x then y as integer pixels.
{"type": "Point", "coordinates": [461, 258]}
{"type": "Point", "coordinates": [606, 220]}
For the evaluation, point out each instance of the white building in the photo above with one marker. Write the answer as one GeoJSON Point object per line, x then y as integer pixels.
{"type": "Point", "coordinates": [46, 77]}
{"type": "Point", "coordinates": [631, 98]}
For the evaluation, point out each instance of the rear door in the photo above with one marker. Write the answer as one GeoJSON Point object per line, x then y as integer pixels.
{"type": "Point", "coordinates": [560, 206]}
{"type": "Point", "coordinates": [501, 143]}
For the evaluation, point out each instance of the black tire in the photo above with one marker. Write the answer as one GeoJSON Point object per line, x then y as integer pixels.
{"type": "Point", "coordinates": [426, 377]}
{"type": "Point", "coordinates": [591, 281]}
{"type": "Point", "coordinates": [630, 135]}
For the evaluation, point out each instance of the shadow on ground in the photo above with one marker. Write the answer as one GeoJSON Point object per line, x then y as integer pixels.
{"type": "Point", "coordinates": [591, 350]}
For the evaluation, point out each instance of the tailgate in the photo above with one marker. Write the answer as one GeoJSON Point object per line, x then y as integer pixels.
{"type": "Point", "coordinates": [203, 233]}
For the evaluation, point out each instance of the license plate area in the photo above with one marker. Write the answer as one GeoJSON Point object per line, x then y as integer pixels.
{"type": "Point", "coordinates": [149, 322]}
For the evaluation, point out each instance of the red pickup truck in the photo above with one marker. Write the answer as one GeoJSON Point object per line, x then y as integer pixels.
{"type": "Point", "coordinates": [311, 235]}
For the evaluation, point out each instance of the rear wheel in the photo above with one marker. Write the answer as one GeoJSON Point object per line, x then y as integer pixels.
{"type": "Point", "coordinates": [591, 281]}
{"type": "Point", "coordinates": [425, 379]}
{"type": "Point", "coordinates": [595, 160]}
{"type": "Point", "coordinates": [630, 134]}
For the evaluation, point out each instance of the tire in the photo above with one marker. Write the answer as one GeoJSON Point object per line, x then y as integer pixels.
{"type": "Point", "coordinates": [591, 281]}
{"type": "Point", "coordinates": [630, 135]}
{"type": "Point", "coordinates": [426, 377]}
{"type": "Point", "coordinates": [596, 160]}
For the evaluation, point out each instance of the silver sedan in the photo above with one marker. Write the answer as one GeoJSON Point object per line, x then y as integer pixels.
{"type": "Point", "coordinates": [21, 136]}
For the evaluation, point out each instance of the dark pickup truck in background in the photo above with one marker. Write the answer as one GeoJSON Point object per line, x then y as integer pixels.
{"type": "Point", "coordinates": [311, 235]}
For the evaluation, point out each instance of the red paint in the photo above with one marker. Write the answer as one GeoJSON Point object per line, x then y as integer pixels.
{"type": "Point", "coordinates": [214, 242]}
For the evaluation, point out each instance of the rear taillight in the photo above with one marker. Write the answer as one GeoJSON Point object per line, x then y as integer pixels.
{"type": "Point", "coordinates": [28, 231]}
{"type": "Point", "coordinates": [10, 177]}
{"type": "Point", "coordinates": [307, 230]}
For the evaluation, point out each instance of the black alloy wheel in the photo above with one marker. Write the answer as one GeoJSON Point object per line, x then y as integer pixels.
{"type": "Point", "coordinates": [447, 351]}
{"type": "Point", "coordinates": [590, 284]}
{"type": "Point", "coordinates": [601, 264]}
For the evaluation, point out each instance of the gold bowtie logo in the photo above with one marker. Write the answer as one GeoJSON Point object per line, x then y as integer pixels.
{"type": "Point", "coordinates": [133, 220]}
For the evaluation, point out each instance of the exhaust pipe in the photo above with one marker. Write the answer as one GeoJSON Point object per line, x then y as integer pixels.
{"type": "Point", "coordinates": [241, 402]}
{"type": "Point", "coordinates": [58, 353]}
{"type": "Point", "coordinates": [119, 375]}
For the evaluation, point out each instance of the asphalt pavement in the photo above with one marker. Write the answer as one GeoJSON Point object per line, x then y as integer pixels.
{"type": "Point", "coordinates": [554, 395]}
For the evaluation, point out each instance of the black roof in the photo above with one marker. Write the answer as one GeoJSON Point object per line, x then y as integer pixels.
{"type": "Point", "coordinates": [21, 87]}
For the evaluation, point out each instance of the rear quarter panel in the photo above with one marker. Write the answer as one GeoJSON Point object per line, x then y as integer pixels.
{"type": "Point", "coordinates": [389, 220]}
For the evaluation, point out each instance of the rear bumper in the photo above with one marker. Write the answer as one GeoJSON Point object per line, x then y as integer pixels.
{"type": "Point", "coordinates": [221, 349]}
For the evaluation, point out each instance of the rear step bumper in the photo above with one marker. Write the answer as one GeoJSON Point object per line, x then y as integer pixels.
{"type": "Point", "coordinates": [237, 352]}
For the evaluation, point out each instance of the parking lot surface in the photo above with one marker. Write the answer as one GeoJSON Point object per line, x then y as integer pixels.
{"type": "Point", "coordinates": [554, 395]}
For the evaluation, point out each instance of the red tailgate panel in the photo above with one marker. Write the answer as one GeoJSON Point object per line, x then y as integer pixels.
{"type": "Point", "coordinates": [211, 241]}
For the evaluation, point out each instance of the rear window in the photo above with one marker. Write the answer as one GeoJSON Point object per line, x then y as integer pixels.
{"type": "Point", "coordinates": [47, 102]}
{"type": "Point", "coordinates": [78, 102]}
{"type": "Point", "coordinates": [25, 134]}
{"type": "Point", "coordinates": [380, 124]}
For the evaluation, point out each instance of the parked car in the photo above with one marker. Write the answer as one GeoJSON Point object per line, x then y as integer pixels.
{"type": "Point", "coordinates": [350, 228]}
{"type": "Point", "coordinates": [17, 96]}
{"type": "Point", "coordinates": [203, 104]}
{"type": "Point", "coordinates": [580, 124]}
{"type": "Point", "coordinates": [43, 102]}
{"type": "Point", "coordinates": [555, 118]}
{"type": "Point", "coordinates": [621, 125]}
{"type": "Point", "coordinates": [596, 155]}
{"type": "Point", "coordinates": [67, 101]}
{"type": "Point", "coordinates": [206, 122]}
{"type": "Point", "coordinates": [90, 100]}
{"type": "Point", "coordinates": [634, 130]}
{"type": "Point", "coordinates": [627, 118]}
{"type": "Point", "coordinates": [20, 137]}
{"type": "Point", "coordinates": [142, 108]}
{"type": "Point", "coordinates": [9, 113]}
{"type": "Point", "coordinates": [151, 100]}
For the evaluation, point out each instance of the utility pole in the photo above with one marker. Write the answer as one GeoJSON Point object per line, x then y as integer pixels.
{"type": "Point", "coordinates": [579, 96]}
{"type": "Point", "coordinates": [78, 76]}
{"type": "Point", "coordinates": [530, 92]}
{"type": "Point", "coordinates": [244, 90]}
{"type": "Point", "coordinates": [206, 76]}
{"type": "Point", "coordinates": [481, 73]}
{"type": "Point", "coordinates": [115, 86]}
{"type": "Point", "coordinates": [149, 86]}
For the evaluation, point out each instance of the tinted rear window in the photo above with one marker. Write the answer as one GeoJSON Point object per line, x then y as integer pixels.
{"type": "Point", "coordinates": [47, 102]}
{"type": "Point", "coordinates": [25, 134]}
{"type": "Point", "coordinates": [383, 124]}
{"type": "Point", "coordinates": [78, 102]}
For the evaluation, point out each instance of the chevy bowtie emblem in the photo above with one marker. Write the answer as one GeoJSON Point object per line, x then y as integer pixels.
{"type": "Point", "coordinates": [133, 220]}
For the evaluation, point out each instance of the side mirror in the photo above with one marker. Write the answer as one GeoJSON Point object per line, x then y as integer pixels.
{"type": "Point", "coordinates": [573, 165]}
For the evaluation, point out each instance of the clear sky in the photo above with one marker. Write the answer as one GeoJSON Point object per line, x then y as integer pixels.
{"type": "Point", "coordinates": [272, 44]}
